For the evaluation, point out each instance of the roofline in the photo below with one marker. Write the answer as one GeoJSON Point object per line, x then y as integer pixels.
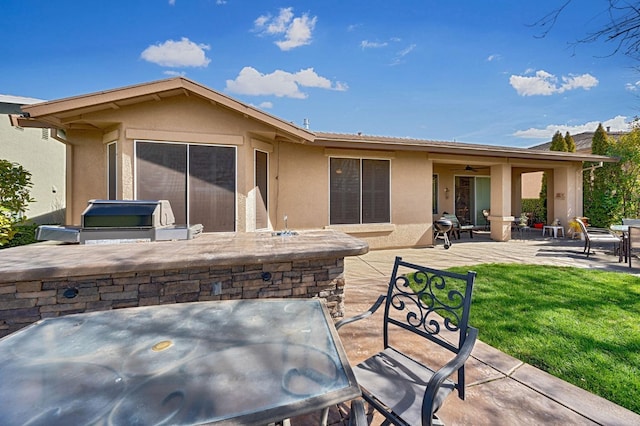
{"type": "Point", "coordinates": [108, 98]}
{"type": "Point", "coordinates": [444, 147]}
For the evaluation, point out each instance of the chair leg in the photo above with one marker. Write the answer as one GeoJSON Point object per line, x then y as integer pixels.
{"type": "Point", "coordinates": [358, 416]}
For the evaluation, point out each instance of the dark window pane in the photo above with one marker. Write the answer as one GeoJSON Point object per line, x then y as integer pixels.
{"type": "Point", "coordinates": [212, 185]}
{"type": "Point", "coordinates": [111, 167]}
{"type": "Point", "coordinates": [344, 191]}
{"type": "Point", "coordinates": [161, 175]}
{"type": "Point", "coordinates": [435, 193]}
{"type": "Point", "coordinates": [375, 191]}
{"type": "Point", "coordinates": [262, 214]}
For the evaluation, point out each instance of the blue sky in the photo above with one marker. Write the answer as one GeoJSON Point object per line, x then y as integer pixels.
{"type": "Point", "coordinates": [467, 71]}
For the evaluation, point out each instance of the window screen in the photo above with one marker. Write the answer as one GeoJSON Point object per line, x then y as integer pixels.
{"type": "Point", "coordinates": [360, 191]}
{"type": "Point", "coordinates": [198, 180]}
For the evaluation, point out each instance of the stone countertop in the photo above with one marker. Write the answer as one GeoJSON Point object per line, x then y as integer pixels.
{"type": "Point", "coordinates": [216, 249]}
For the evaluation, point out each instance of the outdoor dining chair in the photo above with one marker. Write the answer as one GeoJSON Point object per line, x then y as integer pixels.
{"type": "Point", "coordinates": [633, 241]}
{"type": "Point", "coordinates": [432, 307]}
{"type": "Point", "coordinates": [598, 235]}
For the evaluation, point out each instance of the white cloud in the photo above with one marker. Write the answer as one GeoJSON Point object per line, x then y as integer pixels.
{"type": "Point", "coordinates": [616, 124]}
{"type": "Point", "coordinates": [172, 2]}
{"type": "Point", "coordinates": [175, 73]}
{"type": "Point", "coordinates": [266, 105]}
{"type": "Point", "coordinates": [280, 83]}
{"type": "Point", "coordinates": [632, 87]}
{"type": "Point", "coordinates": [494, 57]}
{"type": "Point", "coordinates": [296, 31]}
{"type": "Point", "coordinates": [221, 2]}
{"type": "Point", "coordinates": [183, 53]}
{"type": "Point", "coordinates": [546, 84]}
{"type": "Point", "coordinates": [406, 51]}
{"type": "Point", "coordinates": [366, 44]}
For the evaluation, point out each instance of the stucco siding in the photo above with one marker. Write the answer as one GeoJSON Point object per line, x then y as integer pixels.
{"type": "Point", "coordinates": [44, 158]}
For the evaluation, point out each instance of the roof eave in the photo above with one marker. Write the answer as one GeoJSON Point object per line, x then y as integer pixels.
{"type": "Point", "coordinates": [52, 111]}
{"type": "Point", "coordinates": [459, 149]}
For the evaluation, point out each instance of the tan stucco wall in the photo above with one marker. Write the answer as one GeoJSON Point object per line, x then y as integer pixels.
{"type": "Point", "coordinates": [44, 158]}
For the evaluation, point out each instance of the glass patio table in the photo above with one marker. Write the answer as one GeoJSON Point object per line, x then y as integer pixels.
{"type": "Point", "coordinates": [228, 362]}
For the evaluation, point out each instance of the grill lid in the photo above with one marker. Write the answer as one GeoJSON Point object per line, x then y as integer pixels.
{"type": "Point", "coordinates": [127, 214]}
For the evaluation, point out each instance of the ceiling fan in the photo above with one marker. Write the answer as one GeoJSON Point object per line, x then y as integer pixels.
{"type": "Point", "coordinates": [469, 168]}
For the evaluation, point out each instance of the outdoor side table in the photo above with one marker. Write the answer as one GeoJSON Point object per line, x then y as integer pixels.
{"type": "Point", "coordinates": [553, 228]}
{"type": "Point", "coordinates": [231, 362]}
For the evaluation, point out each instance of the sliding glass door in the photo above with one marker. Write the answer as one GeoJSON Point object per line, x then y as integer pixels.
{"type": "Point", "coordinates": [472, 194]}
{"type": "Point", "coordinates": [198, 180]}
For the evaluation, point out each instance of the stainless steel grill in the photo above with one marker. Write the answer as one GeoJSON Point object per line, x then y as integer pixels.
{"type": "Point", "coordinates": [122, 221]}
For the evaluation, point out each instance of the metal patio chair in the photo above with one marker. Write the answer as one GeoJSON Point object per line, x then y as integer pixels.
{"type": "Point", "coordinates": [633, 241]}
{"type": "Point", "coordinates": [599, 235]}
{"type": "Point", "coordinates": [433, 307]}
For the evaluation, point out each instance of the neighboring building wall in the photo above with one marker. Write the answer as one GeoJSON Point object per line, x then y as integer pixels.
{"type": "Point", "coordinates": [44, 158]}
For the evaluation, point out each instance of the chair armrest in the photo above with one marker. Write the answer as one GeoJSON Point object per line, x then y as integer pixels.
{"type": "Point", "coordinates": [449, 368]}
{"type": "Point", "coordinates": [363, 315]}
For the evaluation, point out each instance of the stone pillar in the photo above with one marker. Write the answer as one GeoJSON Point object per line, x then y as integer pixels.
{"type": "Point", "coordinates": [501, 216]}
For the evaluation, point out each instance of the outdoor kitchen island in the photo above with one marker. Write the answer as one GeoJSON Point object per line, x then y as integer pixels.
{"type": "Point", "coordinates": [47, 280]}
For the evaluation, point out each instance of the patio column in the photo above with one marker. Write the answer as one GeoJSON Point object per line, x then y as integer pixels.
{"type": "Point", "coordinates": [566, 198]}
{"type": "Point", "coordinates": [501, 217]}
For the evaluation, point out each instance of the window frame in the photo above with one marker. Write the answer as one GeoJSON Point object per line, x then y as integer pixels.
{"type": "Point", "coordinates": [112, 180]}
{"type": "Point", "coordinates": [267, 189]}
{"type": "Point", "coordinates": [361, 161]}
{"type": "Point", "coordinates": [188, 175]}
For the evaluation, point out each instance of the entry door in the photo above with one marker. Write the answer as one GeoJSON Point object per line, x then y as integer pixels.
{"type": "Point", "coordinates": [465, 196]}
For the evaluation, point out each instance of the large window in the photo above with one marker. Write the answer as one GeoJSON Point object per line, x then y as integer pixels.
{"type": "Point", "coordinates": [198, 180]}
{"type": "Point", "coordinates": [359, 191]}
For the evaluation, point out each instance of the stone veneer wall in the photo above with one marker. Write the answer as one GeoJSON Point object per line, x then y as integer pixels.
{"type": "Point", "coordinates": [25, 302]}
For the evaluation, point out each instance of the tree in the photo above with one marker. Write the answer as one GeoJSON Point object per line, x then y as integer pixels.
{"type": "Point", "coordinates": [570, 143]}
{"type": "Point", "coordinates": [15, 186]}
{"type": "Point", "coordinates": [600, 142]}
{"type": "Point", "coordinates": [627, 174]}
{"type": "Point", "coordinates": [558, 143]}
{"type": "Point", "coordinates": [600, 196]}
{"type": "Point", "coordinates": [622, 28]}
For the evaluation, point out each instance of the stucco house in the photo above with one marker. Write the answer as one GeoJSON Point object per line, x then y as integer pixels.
{"type": "Point", "coordinates": [235, 168]}
{"type": "Point", "coordinates": [38, 153]}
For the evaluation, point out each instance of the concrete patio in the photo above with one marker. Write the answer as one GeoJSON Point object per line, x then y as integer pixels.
{"type": "Point", "coordinates": [500, 389]}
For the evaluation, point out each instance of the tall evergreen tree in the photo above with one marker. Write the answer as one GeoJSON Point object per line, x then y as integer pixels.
{"type": "Point", "coordinates": [558, 143]}
{"type": "Point", "coordinates": [600, 143]}
{"type": "Point", "coordinates": [569, 142]}
{"type": "Point", "coordinates": [601, 198]}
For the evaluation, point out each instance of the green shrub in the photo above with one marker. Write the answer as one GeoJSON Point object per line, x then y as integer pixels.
{"type": "Point", "coordinates": [24, 234]}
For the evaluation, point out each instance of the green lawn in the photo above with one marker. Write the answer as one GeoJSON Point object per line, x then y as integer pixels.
{"type": "Point", "coordinates": [580, 325]}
